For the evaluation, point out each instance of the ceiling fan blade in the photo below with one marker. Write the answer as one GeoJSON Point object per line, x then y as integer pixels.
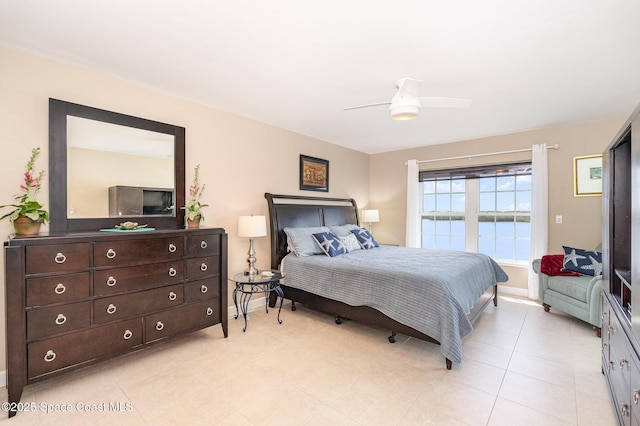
{"type": "Point", "coordinates": [368, 105]}
{"type": "Point", "coordinates": [409, 87]}
{"type": "Point", "coordinates": [435, 102]}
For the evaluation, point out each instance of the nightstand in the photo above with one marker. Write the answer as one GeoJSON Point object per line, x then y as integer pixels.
{"type": "Point", "coordinates": [248, 285]}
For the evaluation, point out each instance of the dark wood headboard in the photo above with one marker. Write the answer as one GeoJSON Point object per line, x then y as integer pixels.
{"type": "Point", "coordinates": [298, 211]}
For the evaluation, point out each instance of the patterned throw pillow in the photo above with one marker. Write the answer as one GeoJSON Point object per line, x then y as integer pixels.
{"type": "Point", "coordinates": [330, 243]}
{"type": "Point", "coordinates": [350, 242]}
{"type": "Point", "coordinates": [586, 262]}
{"type": "Point", "coordinates": [365, 239]}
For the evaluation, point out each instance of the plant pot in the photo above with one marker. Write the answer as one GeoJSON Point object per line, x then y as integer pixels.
{"type": "Point", "coordinates": [26, 226]}
{"type": "Point", "coordinates": [193, 223]}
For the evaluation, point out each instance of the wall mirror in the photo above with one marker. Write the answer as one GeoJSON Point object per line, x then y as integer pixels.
{"type": "Point", "coordinates": [106, 168]}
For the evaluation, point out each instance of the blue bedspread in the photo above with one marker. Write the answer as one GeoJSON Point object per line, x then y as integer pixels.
{"type": "Point", "coordinates": [429, 290]}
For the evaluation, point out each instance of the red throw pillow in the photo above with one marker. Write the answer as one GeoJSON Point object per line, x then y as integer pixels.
{"type": "Point", "coordinates": [552, 264]}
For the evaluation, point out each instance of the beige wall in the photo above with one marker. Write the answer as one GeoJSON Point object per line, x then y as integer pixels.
{"type": "Point", "coordinates": [240, 159]}
{"type": "Point", "coordinates": [582, 216]}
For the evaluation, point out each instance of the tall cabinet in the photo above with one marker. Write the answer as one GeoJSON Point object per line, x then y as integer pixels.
{"type": "Point", "coordinates": [621, 271]}
{"type": "Point", "coordinates": [76, 299]}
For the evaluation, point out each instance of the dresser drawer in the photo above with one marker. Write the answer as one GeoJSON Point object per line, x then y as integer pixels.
{"type": "Point", "coordinates": [133, 278]}
{"type": "Point", "coordinates": [184, 318]}
{"type": "Point", "coordinates": [128, 252]}
{"type": "Point", "coordinates": [203, 267]}
{"type": "Point", "coordinates": [202, 289]}
{"type": "Point", "coordinates": [57, 288]}
{"type": "Point", "coordinates": [50, 321]}
{"type": "Point", "coordinates": [126, 305]}
{"type": "Point", "coordinates": [56, 258]}
{"type": "Point", "coordinates": [74, 348]}
{"type": "Point", "coordinates": [203, 245]}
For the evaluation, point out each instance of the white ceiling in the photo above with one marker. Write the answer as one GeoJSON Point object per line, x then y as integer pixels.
{"type": "Point", "coordinates": [296, 64]}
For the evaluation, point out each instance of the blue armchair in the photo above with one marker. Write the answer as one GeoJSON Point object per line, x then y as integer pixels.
{"type": "Point", "coordinates": [578, 296]}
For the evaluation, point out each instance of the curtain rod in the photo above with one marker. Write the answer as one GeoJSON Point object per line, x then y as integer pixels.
{"type": "Point", "coordinates": [556, 146]}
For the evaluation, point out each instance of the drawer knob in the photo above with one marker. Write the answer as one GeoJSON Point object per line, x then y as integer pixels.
{"type": "Point", "coordinates": [49, 356]}
{"type": "Point", "coordinates": [209, 311]}
{"type": "Point", "coordinates": [636, 396]}
{"type": "Point", "coordinates": [172, 248]}
{"type": "Point", "coordinates": [172, 296]}
{"type": "Point", "coordinates": [111, 281]}
{"type": "Point", "coordinates": [203, 288]}
{"type": "Point", "coordinates": [624, 410]}
{"type": "Point", "coordinates": [127, 334]}
{"type": "Point", "coordinates": [111, 309]}
{"type": "Point", "coordinates": [61, 319]}
{"type": "Point", "coordinates": [60, 258]}
{"type": "Point", "coordinates": [203, 244]}
{"type": "Point", "coordinates": [60, 288]}
{"type": "Point", "coordinates": [203, 267]}
{"type": "Point", "coordinates": [623, 361]}
{"type": "Point", "coordinates": [159, 325]}
{"type": "Point", "coordinates": [604, 315]}
{"type": "Point", "coordinates": [111, 253]}
{"type": "Point", "coordinates": [172, 272]}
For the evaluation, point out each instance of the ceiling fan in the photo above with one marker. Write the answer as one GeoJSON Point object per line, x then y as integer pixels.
{"type": "Point", "coordinates": [406, 104]}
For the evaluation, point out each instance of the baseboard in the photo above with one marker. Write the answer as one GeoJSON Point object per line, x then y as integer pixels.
{"type": "Point", "coordinates": [253, 305]}
{"type": "Point", "coordinates": [513, 291]}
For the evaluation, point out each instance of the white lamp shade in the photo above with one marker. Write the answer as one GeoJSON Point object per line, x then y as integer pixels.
{"type": "Point", "coordinates": [370, 216]}
{"type": "Point", "coordinates": [252, 226]}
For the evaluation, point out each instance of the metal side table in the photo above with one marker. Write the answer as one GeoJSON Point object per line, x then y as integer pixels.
{"type": "Point", "coordinates": [248, 285]}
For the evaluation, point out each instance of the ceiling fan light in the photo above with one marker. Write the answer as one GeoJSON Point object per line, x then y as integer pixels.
{"type": "Point", "coordinates": [404, 112]}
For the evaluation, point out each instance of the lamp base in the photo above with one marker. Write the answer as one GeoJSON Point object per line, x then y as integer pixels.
{"type": "Point", "coordinates": [251, 260]}
{"type": "Point", "coordinates": [251, 272]}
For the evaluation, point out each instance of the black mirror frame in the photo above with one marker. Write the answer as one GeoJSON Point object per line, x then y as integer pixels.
{"type": "Point", "coordinates": [60, 223]}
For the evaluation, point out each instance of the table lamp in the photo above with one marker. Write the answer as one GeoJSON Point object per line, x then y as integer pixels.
{"type": "Point", "coordinates": [370, 216]}
{"type": "Point", "coordinates": [251, 227]}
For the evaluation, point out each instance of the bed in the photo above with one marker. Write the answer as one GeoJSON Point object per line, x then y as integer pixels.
{"type": "Point", "coordinates": [397, 291]}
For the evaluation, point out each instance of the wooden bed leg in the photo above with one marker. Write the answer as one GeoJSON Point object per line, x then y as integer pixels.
{"type": "Point", "coordinates": [293, 305]}
{"type": "Point", "coordinates": [392, 338]}
{"type": "Point", "coordinates": [448, 361]}
{"type": "Point", "coordinates": [598, 331]}
{"type": "Point", "coordinates": [338, 320]}
{"type": "Point", "coordinates": [546, 307]}
{"type": "Point", "coordinates": [495, 295]}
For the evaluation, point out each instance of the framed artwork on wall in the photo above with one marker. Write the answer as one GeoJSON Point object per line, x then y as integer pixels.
{"type": "Point", "coordinates": [314, 174]}
{"type": "Point", "coordinates": [587, 176]}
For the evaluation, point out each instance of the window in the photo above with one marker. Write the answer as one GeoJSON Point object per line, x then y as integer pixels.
{"type": "Point", "coordinates": [485, 210]}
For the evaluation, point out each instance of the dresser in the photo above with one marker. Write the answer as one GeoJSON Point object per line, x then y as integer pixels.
{"type": "Point", "coordinates": [621, 271]}
{"type": "Point", "coordinates": [76, 299]}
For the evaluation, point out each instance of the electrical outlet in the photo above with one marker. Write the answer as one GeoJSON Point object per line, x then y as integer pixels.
{"type": "Point", "coordinates": [558, 218]}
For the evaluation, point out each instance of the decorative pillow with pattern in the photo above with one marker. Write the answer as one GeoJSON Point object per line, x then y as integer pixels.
{"type": "Point", "coordinates": [350, 242]}
{"type": "Point", "coordinates": [365, 239]}
{"type": "Point", "coordinates": [587, 262]}
{"type": "Point", "coordinates": [329, 243]}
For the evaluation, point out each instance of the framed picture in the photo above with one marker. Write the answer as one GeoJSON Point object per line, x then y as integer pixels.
{"type": "Point", "coordinates": [587, 175]}
{"type": "Point", "coordinates": [314, 174]}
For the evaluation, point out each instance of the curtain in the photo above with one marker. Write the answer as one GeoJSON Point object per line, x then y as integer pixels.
{"type": "Point", "coordinates": [539, 213]}
{"type": "Point", "coordinates": [413, 208]}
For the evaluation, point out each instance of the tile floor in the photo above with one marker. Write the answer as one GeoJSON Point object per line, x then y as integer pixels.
{"type": "Point", "coordinates": [521, 366]}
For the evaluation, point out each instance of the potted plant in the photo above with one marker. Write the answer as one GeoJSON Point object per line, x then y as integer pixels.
{"type": "Point", "coordinates": [28, 213]}
{"type": "Point", "coordinates": [193, 209]}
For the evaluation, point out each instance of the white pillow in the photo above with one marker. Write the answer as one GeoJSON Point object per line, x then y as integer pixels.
{"type": "Point", "coordinates": [350, 242]}
{"type": "Point", "coordinates": [301, 242]}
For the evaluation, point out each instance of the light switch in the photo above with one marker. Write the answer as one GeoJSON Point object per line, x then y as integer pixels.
{"type": "Point", "coordinates": [558, 218]}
